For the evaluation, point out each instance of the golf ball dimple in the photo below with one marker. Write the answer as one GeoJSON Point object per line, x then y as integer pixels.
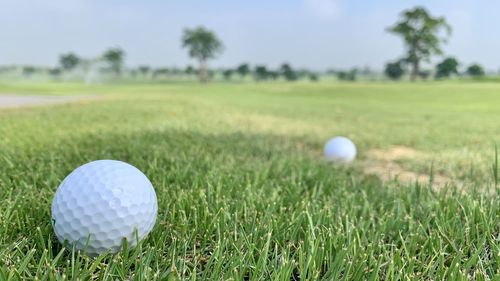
{"type": "Point", "coordinates": [101, 203]}
{"type": "Point", "coordinates": [340, 150]}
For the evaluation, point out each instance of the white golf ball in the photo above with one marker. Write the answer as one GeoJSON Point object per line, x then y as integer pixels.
{"type": "Point", "coordinates": [101, 203]}
{"type": "Point", "coordinates": [340, 150]}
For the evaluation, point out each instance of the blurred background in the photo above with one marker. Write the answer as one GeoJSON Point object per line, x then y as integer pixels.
{"type": "Point", "coordinates": [98, 41]}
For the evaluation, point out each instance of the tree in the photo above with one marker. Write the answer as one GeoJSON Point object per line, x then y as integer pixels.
{"type": "Point", "coordinates": [475, 70]}
{"type": "Point", "coordinates": [313, 77]}
{"type": "Point", "coordinates": [69, 61]}
{"type": "Point", "coordinates": [421, 34]}
{"type": "Point", "coordinates": [144, 70]}
{"type": "Point", "coordinates": [189, 70]}
{"type": "Point", "coordinates": [160, 72]}
{"type": "Point", "coordinates": [288, 73]}
{"type": "Point", "coordinates": [261, 73]}
{"type": "Point", "coordinates": [55, 71]}
{"type": "Point", "coordinates": [243, 70]}
{"type": "Point", "coordinates": [227, 74]}
{"type": "Point", "coordinates": [115, 58]}
{"type": "Point", "coordinates": [347, 75]}
{"type": "Point", "coordinates": [29, 70]}
{"type": "Point", "coordinates": [394, 70]}
{"type": "Point", "coordinates": [203, 45]}
{"type": "Point", "coordinates": [447, 67]}
{"type": "Point", "coordinates": [273, 75]}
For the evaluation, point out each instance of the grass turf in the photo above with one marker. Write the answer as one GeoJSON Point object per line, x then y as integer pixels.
{"type": "Point", "coordinates": [242, 191]}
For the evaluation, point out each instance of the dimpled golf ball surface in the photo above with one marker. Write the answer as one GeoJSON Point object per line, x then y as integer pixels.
{"type": "Point", "coordinates": [103, 202]}
{"type": "Point", "coordinates": [340, 150]}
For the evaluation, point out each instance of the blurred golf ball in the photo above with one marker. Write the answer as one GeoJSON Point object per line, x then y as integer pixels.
{"type": "Point", "coordinates": [101, 203]}
{"type": "Point", "coordinates": [340, 150]}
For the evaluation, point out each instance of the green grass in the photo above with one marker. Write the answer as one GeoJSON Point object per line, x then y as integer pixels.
{"type": "Point", "coordinates": [243, 193]}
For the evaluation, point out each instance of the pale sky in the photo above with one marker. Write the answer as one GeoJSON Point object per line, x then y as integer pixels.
{"type": "Point", "coordinates": [316, 34]}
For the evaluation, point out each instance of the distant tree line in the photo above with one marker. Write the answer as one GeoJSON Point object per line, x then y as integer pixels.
{"type": "Point", "coordinates": [445, 69]}
{"type": "Point", "coordinates": [263, 73]}
{"type": "Point", "coordinates": [423, 35]}
{"type": "Point", "coordinates": [241, 72]}
{"type": "Point", "coordinates": [113, 60]}
{"type": "Point", "coordinates": [201, 44]}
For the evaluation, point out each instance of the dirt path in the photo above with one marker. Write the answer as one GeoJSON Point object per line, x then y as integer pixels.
{"type": "Point", "coordinates": [11, 101]}
{"type": "Point", "coordinates": [383, 163]}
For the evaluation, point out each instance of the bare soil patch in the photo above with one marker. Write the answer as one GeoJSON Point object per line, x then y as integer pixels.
{"type": "Point", "coordinates": [395, 153]}
{"type": "Point", "coordinates": [382, 163]}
